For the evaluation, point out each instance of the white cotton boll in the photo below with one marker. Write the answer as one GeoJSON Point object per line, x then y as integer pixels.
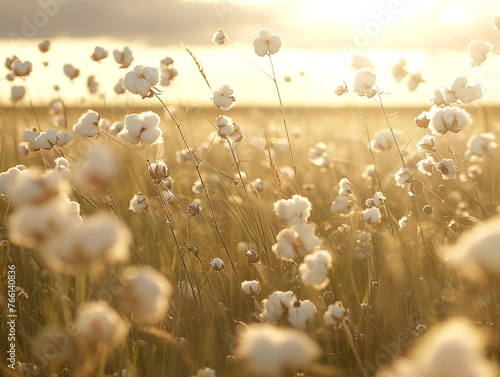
{"type": "Point", "coordinates": [44, 46]}
{"type": "Point", "coordinates": [478, 51]}
{"type": "Point", "coordinates": [219, 37]}
{"type": "Point", "coordinates": [47, 139]}
{"type": "Point", "coordinates": [22, 149]}
{"type": "Point", "coordinates": [34, 224]}
{"type": "Point", "coordinates": [427, 144]}
{"type": "Point", "coordinates": [453, 119]}
{"type": "Point", "coordinates": [496, 22]}
{"type": "Point", "coordinates": [87, 124]}
{"type": "Point", "coordinates": [251, 287]}
{"type": "Point", "coordinates": [469, 94]}
{"type": "Point", "coordinates": [150, 120]}
{"type": "Point", "coordinates": [335, 314]}
{"type": "Point", "coordinates": [205, 372]}
{"type": "Point", "coordinates": [118, 88]}
{"type": "Point", "coordinates": [345, 187]}
{"type": "Point", "coordinates": [97, 169]}
{"type": "Point", "coordinates": [460, 82]}
{"type": "Point", "coordinates": [447, 169]}
{"type": "Point", "coordinates": [146, 292]}
{"type": "Point", "coordinates": [385, 139]}
{"type": "Point", "coordinates": [9, 61]}
{"type": "Point", "coordinates": [71, 71]}
{"type": "Point", "coordinates": [92, 84]}
{"type": "Point", "coordinates": [269, 351]}
{"type": "Point", "coordinates": [340, 89]}
{"type": "Point", "coordinates": [197, 187]}
{"type": "Point", "coordinates": [414, 81]}
{"type": "Point", "coordinates": [369, 172]}
{"type": "Point", "coordinates": [371, 215]}
{"type": "Point", "coordinates": [29, 136]}
{"type": "Point", "coordinates": [377, 200]}
{"type": "Point", "coordinates": [314, 269]}
{"type": "Point", "coordinates": [258, 185]}
{"type": "Point", "coordinates": [129, 138]}
{"type": "Point", "coordinates": [141, 80]}
{"type": "Point", "coordinates": [8, 177]}
{"type": "Point", "coordinates": [22, 69]}
{"type": "Point", "coordinates": [285, 244]}
{"type": "Point", "coordinates": [151, 136]}
{"type": "Point", "coordinates": [266, 43]}
{"type": "Point", "coordinates": [275, 304]}
{"type": "Point", "coordinates": [73, 208]}
{"type": "Point", "coordinates": [217, 264]}
{"type": "Point", "coordinates": [364, 82]}
{"type": "Point", "coordinates": [360, 61]}
{"type": "Point", "coordinates": [100, 326]}
{"type": "Point", "coordinates": [342, 205]}
{"type": "Point", "coordinates": [449, 96]}
{"type": "Point", "coordinates": [300, 312]}
{"type": "Point", "coordinates": [306, 237]}
{"type": "Point", "coordinates": [100, 241]}
{"type": "Point", "coordinates": [62, 167]}
{"type": "Point", "coordinates": [10, 76]}
{"type": "Point", "coordinates": [138, 203]}
{"type": "Point", "coordinates": [124, 57]}
{"type": "Point", "coordinates": [298, 240]}
{"type": "Point", "coordinates": [65, 137]}
{"type": "Point", "coordinates": [133, 124]}
{"type": "Point", "coordinates": [31, 187]}
{"type": "Point", "coordinates": [399, 71]}
{"type": "Point", "coordinates": [294, 211]}
{"type": "Point", "coordinates": [104, 124]}
{"type": "Point", "coordinates": [99, 54]}
{"type": "Point", "coordinates": [223, 97]}
{"type": "Point", "coordinates": [453, 348]}
{"type": "Point", "coordinates": [438, 98]}
{"type": "Point", "coordinates": [17, 93]}
{"type": "Point", "coordinates": [479, 145]}
{"type": "Point", "coordinates": [476, 251]}
{"type": "Point", "coordinates": [402, 176]}
{"type": "Point", "coordinates": [426, 165]}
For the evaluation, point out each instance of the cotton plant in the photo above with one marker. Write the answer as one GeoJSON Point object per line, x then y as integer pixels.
{"type": "Point", "coordinates": [141, 80]}
{"type": "Point", "coordinates": [364, 82]}
{"type": "Point", "coordinates": [223, 97]}
{"type": "Point", "coordinates": [142, 128]}
{"type": "Point", "coordinates": [478, 51]}
{"type": "Point", "coordinates": [314, 269]}
{"type": "Point", "coordinates": [267, 43]}
{"type": "Point", "coordinates": [70, 71]}
{"type": "Point", "coordinates": [344, 201]}
{"type": "Point", "coordinates": [285, 304]}
{"type": "Point", "coordinates": [458, 92]}
{"type": "Point", "coordinates": [123, 57]}
{"type": "Point", "coordinates": [219, 38]}
{"type": "Point", "coordinates": [87, 124]}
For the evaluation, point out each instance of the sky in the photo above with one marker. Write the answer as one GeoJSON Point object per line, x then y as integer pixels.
{"type": "Point", "coordinates": [319, 38]}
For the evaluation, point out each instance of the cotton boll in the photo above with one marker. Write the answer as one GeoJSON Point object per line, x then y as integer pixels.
{"type": "Point", "coordinates": [269, 351]}
{"type": "Point", "coordinates": [100, 326]}
{"type": "Point", "coordinates": [476, 251]}
{"type": "Point", "coordinates": [146, 292]}
{"type": "Point", "coordinates": [469, 94]}
{"type": "Point", "coordinates": [345, 187]}
{"type": "Point", "coordinates": [158, 171]}
{"type": "Point", "coordinates": [101, 240]}
{"type": "Point", "coordinates": [300, 312]}
{"type": "Point", "coordinates": [47, 139]}
{"type": "Point", "coordinates": [17, 93]}
{"type": "Point", "coordinates": [62, 167]}
{"type": "Point", "coordinates": [22, 69]}
{"type": "Point", "coordinates": [447, 169]}
{"type": "Point", "coordinates": [8, 177]}
{"type": "Point", "coordinates": [438, 98]}
{"type": "Point", "coordinates": [294, 211]}
{"type": "Point", "coordinates": [371, 215]}
{"type": "Point", "coordinates": [141, 80]}
{"type": "Point", "coordinates": [133, 124]}
{"type": "Point", "coordinates": [92, 84]}
{"type": "Point", "coordinates": [275, 304]}
{"type": "Point", "coordinates": [44, 46]}
{"type": "Point", "coordinates": [138, 203]}
{"type": "Point", "coordinates": [223, 97]}
{"type": "Point", "coordinates": [87, 124]}
{"type": "Point", "coordinates": [32, 187]}
{"type": "Point", "coordinates": [151, 136]}
{"type": "Point", "coordinates": [97, 169]}
{"type": "Point", "coordinates": [219, 37]}
{"type": "Point", "coordinates": [342, 205]}
{"type": "Point", "coordinates": [427, 145]}
{"type": "Point", "coordinates": [116, 128]}
{"type": "Point", "coordinates": [32, 225]}
{"type": "Point", "coordinates": [340, 89]}
{"type": "Point", "coordinates": [446, 119]}
{"type": "Point", "coordinates": [360, 61]}
{"type": "Point", "coordinates": [414, 81]}
{"type": "Point", "coordinates": [118, 88]}
{"type": "Point", "coordinates": [9, 61]}
{"type": "Point", "coordinates": [124, 57]}
{"type": "Point", "coordinates": [266, 43]}
{"type": "Point", "coordinates": [335, 314]}
{"type": "Point", "coordinates": [217, 264]}
{"type": "Point", "coordinates": [314, 269]}
{"type": "Point", "coordinates": [99, 54]}
{"type": "Point", "coordinates": [399, 71]}
{"type": "Point", "coordinates": [29, 137]}
{"type": "Point", "coordinates": [71, 71]}
{"type": "Point", "coordinates": [478, 51]}
{"type": "Point", "coordinates": [251, 287]}
{"type": "Point", "coordinates": [453, 348]}
{"type": "Point", "coordinates": [479, 145]}
{"type": "Point", "coordinates": [385, 139]}
{"type": "Point", "coordinates": [402, 176]}
{"type": "Point", "coordinates": [369, 172]}
{"type": "Point", "coordinates": [364, 81]}
{"type": "Point", "coordinates": [205, 372]}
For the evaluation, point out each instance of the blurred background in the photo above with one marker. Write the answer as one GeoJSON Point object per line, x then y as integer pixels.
{"type": "Point", "coordinates": [319, 39]}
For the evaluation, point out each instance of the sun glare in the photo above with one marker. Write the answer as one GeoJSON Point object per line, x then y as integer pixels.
{"type": "Point", "coordinates": [454, 14]}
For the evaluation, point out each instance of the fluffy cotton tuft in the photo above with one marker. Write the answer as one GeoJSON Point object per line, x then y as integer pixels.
{"type": "Point", "coordinates": [479, 145]}
{"type": "Point", "coordinates": [17, 93]}
{"type": "Point", "coordinates": [146, 292]}
{"type": "Point", "coordinates": [364, 82]}
{"type": "Point", "coordinates": [71, 71]}
{"type": "Point", "coordinates": [266, 43]}
{"type": "Point", "coordinates": [285, 304]}
{"type": "Point", "coordinates": [270, 351]}
{"type": "Point", "coordinates": [452, 119]}
{"type": "Point", "coordinates": [223, 97]}
{"type": "Point", "coordinates": [219, 38]}
{"type": "Point", "coordinates": [138, 203]}
{"type": "Point", "coordinates": [143, 127]}
{"type": "Point", "coordinates": [22, 69]}
{"type": "Point", "coordinates": [447, 169]}
{"type": "Point", "coordinates": [314, 269]}
{"type": "Point", "coordinates": [293, 211]}
{"type": "Point", "coordinates": [385, 139]}
{"type": "Point", "coordinates": [124, 57]}
{"type": "Point", "coordinates": [141, 80]}
{"type": "Point", "coordinates": [478, 51]}
{"type": "Point", "coordinates": [251, 287]}
{"type": "Point", "coordinates": [298, 240]}
{"type": "Point", "coordinates": [87, 124]}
